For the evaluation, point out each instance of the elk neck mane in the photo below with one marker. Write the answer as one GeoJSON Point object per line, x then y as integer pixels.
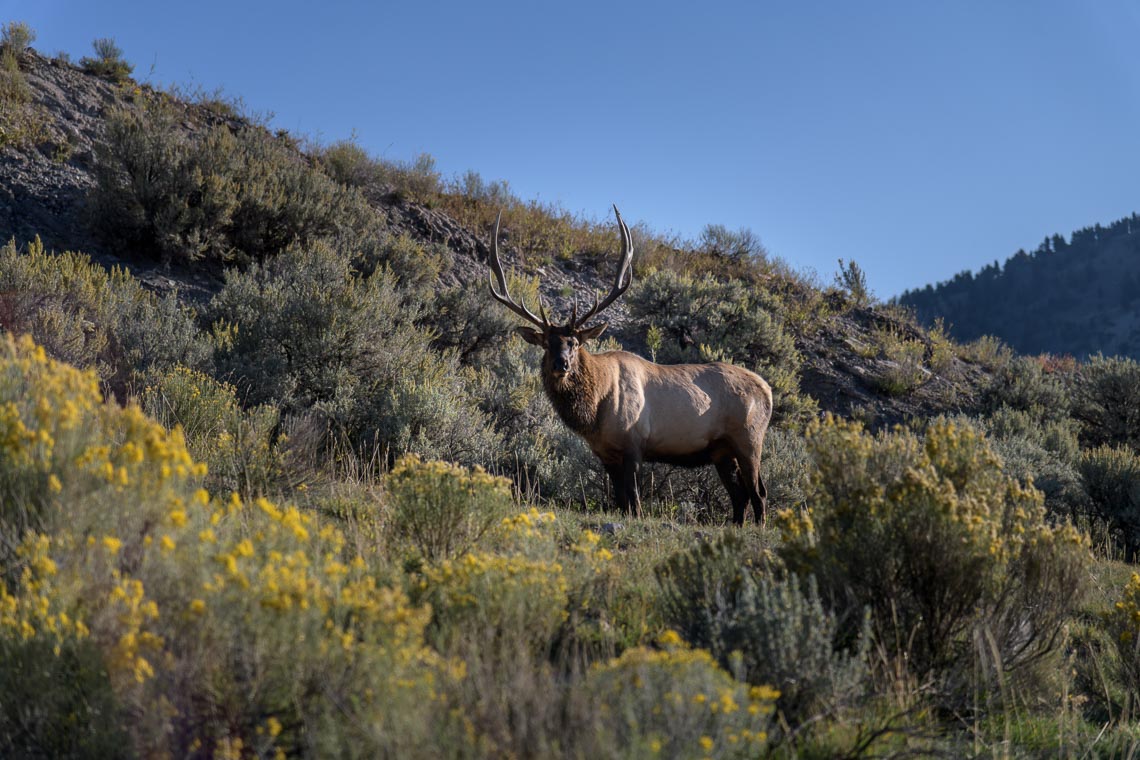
{"type": "Point", "coordinates": [577, 397]}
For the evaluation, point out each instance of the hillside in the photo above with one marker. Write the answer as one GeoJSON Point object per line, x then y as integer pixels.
{"type": "Point", "coordinates": [279, 478]}
{"type": "Point", "coordinates": [45, 187]}
{"type": "Point", "coordinates": [1076, 296]}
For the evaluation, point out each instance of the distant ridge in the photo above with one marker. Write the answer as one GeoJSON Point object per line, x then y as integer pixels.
{"type": "Point", "coordinates": [1078, 296]}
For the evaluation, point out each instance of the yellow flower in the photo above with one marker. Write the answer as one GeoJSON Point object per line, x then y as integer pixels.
{"type": "Point", "coordinates": [113, 544]}
{"type": "Point", "coordinates": [167, 543]}
{"type": "Point", "coordinates": [706, 743]}
{"type": "Point", "coordinates": [53, 484]}
{"type": "Point", "coordinates": [197, 606]}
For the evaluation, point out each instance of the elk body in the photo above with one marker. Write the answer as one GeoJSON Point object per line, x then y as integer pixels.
{"type": "Point", "coordinates": [630, 410]}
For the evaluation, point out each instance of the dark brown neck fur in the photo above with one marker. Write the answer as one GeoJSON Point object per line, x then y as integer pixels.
{"type": "Point", "coordinates": [577, 396]}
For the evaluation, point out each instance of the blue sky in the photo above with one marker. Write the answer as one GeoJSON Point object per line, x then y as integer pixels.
{"type": "Point", "coordinates": [917, 138]}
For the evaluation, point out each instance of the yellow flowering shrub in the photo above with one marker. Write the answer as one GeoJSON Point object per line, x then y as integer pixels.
{"type": "Point", "coordinates": [932, 536]}
{"type": "Point", "coordinates": [236, 444]}
{"type": "Point", "coordinates": [1123, 623]}
{"type": "Point", "coordinates": [675, 702]}
{"type": "Point", "coordinates": [201, 618]}
{"type": "Point", "coordinates": [55, 694]}
{"type": "Point", "coordinates": [62, 447]}
{"type": "Point", "coordinates": [489, 598]}
{"type": "Point", "coordinates": [444, 510]}
{"type": "Point", "coordinates": [33, 608]}
{"type": "Point", "coordinates": [589, 548]}
{"type": "Point", "coordinates": [273, 601]}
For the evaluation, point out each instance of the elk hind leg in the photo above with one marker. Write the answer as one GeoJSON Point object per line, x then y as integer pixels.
{"type": "Point", "coordinates": [730, 475]}
{"type": "Point", "coordinates": [748, 459]}
{"type": "Point", "coordinates": [757, 493]}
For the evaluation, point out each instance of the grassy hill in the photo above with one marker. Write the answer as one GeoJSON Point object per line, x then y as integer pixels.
{"type": "Point", "coordinates": [278, 479]}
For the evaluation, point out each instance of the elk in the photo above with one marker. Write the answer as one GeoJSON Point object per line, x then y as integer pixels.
{"type": "Point", "coordinates": [630, 410]}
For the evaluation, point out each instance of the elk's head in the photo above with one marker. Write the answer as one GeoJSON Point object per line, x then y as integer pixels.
{"type": "Point", "coordinates": [561, 342]}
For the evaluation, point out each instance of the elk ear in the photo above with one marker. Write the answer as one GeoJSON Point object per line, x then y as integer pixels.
{"type": "Point", "coordinates": [592, 332]}
{"type": "Point", "coordinates": [530, 335]}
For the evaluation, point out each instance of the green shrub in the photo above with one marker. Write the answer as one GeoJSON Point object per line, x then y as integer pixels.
{"type": "Point", "coordinates": [1058, 437]}
{"type": "Point", "coordinates": [486, 603]}
{"type": "Point", "coordinates": [349, 164]}
{"type": "Point", "coordinates": [938, 542]}
{"type": "Point", "coordinates": [787, 638]}
{"type": "Point", "coordinates": [1044, 453]}
{"type": "Point", "coordinates": [706, 319]}
{"type": "Point", "coordinates": [1111, 477]}
{"type": "Point", "coordinates": [56, 701]}
{"type": "Point", "coordinates": [108, 61]}
{"type": "Point", "coordinates": [473, 187]}
{"type": "Point", "coordinates": [284, 201]}
{"type": "Point", "coordinates": [901, 369]}
{"type": "Point", "coordinates": [989, 352]}
{"type": "Point", "coordinates": [22, 122]}
{"type": "Point", "coordinates": [785, 466]}
{"type": "Point", "coordinates": [1056, 478]}
{"type": "Point", "coordinates": [1023, 384]}
{"type": "Point", "coordinates": [943, 350]}
{"type": "Point", "coordinates": [88, 317]}
{"type": "Point", "coordinates": [741, 245]}
{"type": "Point", "coordinates": [415, 265]}
{"type": "Point", "coordinates": [1108, 401]}
{"type": "Point", "coordinates": [443, 510]}
{"type": "Point", "coordinates": [303, 332]}
{"type": "Point", "coordinates": [774, 631]}
{"type": "Point", "coordinates": [699, 585]}
{"type": "Point", "coordinates": [419, 178]}
{"type": "Point", "coordinates": [217, 195]}
{"type": "Point", "coordinates": [16, 36]}
{"type": "Point", "coordinates": [853, 281]}
{"type": "Point", "coordinates": [468, 323]}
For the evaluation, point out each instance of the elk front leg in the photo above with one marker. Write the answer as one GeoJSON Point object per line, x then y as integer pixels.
{"type": "Point", "coordinates": [629, 465]}
{"type": "Point", "coordinates": [617, 479]}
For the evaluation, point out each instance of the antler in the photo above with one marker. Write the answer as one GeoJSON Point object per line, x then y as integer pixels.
{"type": "Point", "coordinates": [502, 295]}
{"type": "Point", "coordinates": [624, 269]}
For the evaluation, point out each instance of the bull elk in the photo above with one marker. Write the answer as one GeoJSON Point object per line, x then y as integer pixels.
{"type": "Point", "coordinates": [630, 410]}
